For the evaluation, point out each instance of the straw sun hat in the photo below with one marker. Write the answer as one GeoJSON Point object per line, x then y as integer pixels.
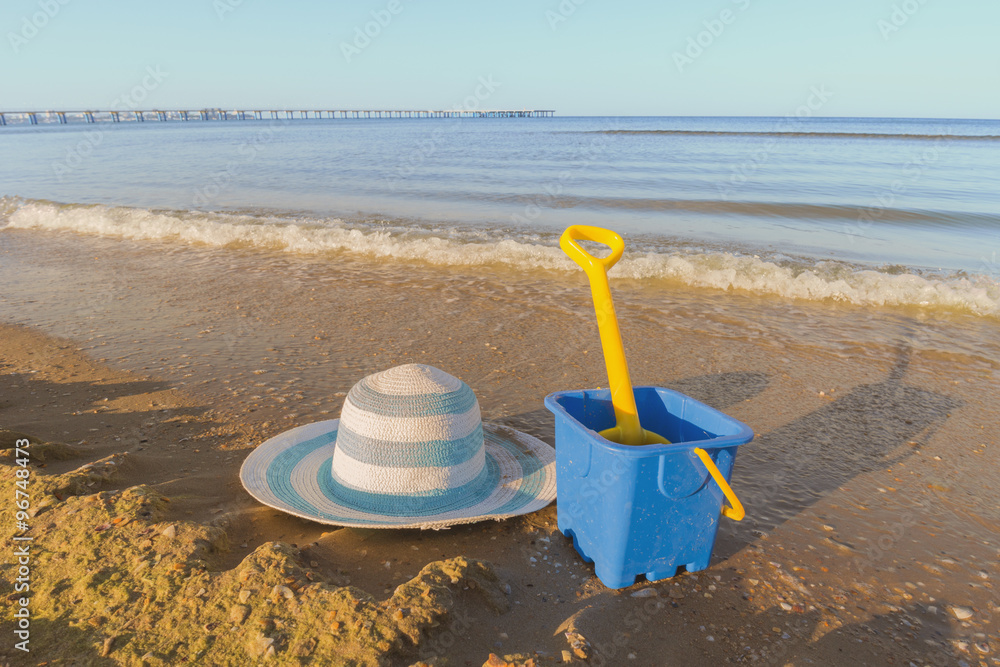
{"type": "Point", "coordinates": [410, 450]}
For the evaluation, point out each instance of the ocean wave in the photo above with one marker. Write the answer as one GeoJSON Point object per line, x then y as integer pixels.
{"type": "Point", "coordinates": [846, 213]}
{"type": "Point", "coordinates": [815, 281]}
{"type": "Point", "coordinates": [823, 135]}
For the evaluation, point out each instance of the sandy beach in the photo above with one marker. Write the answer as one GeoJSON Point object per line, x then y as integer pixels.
{"type": "Point", "coordinates": [226, 225]}
{"type": "Point", "coordinates": [871, 489]}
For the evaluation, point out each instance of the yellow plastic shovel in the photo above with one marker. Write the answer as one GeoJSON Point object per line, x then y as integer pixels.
{"type": "Point", "coordinates": [627, 431]}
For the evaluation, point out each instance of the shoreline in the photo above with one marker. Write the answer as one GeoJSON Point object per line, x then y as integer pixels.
{"type": "Point", "coordinates": [722, 265]}
{"type": "Point", "coordinates": [869, 487]}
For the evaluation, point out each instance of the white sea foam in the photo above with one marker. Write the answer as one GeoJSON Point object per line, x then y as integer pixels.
{"type": "Point", "coordinates": [827, 280]}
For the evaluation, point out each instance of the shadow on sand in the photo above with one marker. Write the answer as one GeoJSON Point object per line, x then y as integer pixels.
{"type": "Point", "coordinates": [774, 637]}
{"type": "Point", "coordinates": [784, 471]}
{"type": "Point", "coordinates": [788, 469]}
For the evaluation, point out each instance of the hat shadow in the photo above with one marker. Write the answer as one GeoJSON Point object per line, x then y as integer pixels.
{"type": "Point", "coordinates": [99, 428]}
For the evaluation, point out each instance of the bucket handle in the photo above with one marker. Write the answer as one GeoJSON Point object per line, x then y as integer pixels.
{"type": "Point", "coordinates": [736, 511]}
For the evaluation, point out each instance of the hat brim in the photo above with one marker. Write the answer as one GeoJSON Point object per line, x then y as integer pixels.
{"type": "Point", "coordinates": [291, 472]}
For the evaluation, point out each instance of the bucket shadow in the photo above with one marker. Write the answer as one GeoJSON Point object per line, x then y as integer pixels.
{"type": "Point", "coordinates": [928, 643]}
{"type": "Point", "coordinates": [788, 469]}
{"type": "Point", "coordinates": [722, 390]}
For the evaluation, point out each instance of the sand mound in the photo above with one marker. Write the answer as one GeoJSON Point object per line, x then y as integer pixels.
{"type": "Point", "coordinates": [116, 581]}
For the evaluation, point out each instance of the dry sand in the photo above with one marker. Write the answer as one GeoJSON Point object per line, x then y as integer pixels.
{"type": "Point", "coordinates": [871, 490]}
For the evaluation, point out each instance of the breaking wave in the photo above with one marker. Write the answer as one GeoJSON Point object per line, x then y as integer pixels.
{"type": "Point", "coordinates": [797, 279]}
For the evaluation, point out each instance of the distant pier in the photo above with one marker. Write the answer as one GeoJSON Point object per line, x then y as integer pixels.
{"type": "Point", "coordinates": [163, 115]}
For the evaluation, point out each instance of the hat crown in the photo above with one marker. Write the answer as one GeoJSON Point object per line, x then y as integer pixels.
{"type": "Point", "coordinates": [412, 430]}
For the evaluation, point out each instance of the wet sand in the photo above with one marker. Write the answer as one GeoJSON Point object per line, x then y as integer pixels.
{"type": "Point", "coordinates": [872, 490]}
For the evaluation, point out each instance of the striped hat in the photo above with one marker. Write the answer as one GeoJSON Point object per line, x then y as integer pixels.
{"type": "Point", "coordinates": [409, 451]}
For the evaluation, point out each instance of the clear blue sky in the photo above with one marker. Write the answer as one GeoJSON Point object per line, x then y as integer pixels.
{"type": "Point", "coordinates": [605, 58]}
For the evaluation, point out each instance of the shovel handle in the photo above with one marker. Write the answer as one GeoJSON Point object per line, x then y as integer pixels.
{"type": "Point", "coordinates": [574, 233]}
{"type": "Point", "coordinates": [735, 511]}
{"type": "Point", "coordinates": [627, 430]}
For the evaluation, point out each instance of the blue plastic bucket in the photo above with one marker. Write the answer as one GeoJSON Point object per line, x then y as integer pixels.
{"type": "Point", "coordinates": [641, 510]}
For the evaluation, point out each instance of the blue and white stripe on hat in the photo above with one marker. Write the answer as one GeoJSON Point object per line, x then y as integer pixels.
{"type": "Point", "coordinates": [410, 450]}
{"type": "Point", "coordinates": [391, 442]}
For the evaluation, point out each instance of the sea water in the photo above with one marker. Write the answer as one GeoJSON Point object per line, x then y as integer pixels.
{"type": "Point", "coordinates": [875, 212]}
